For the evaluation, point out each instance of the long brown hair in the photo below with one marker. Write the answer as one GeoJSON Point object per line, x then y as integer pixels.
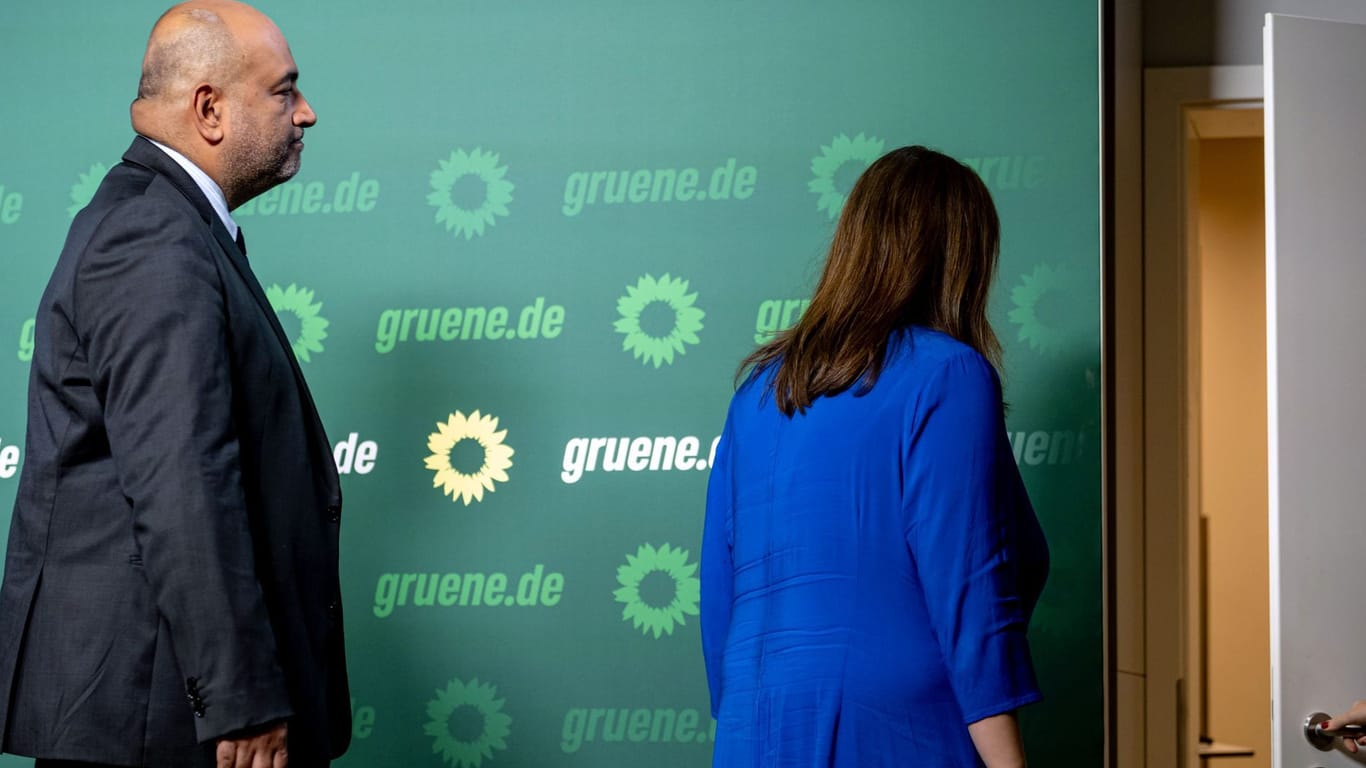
{"type": "Point", "coordinates": [917, 244]}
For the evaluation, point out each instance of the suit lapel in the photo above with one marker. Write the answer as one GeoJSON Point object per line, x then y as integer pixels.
{"type": "Point", "coordinates": [239, 262]}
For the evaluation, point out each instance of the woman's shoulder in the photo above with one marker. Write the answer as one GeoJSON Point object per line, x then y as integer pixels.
{"type": "Point", "coordinates": [757, 379]}
{"type": "Point", "coordinates": [942, 375]}
{"type": "Point", "coordinates": [754, 393]}
{"type": "Point", "coordinates": [927, 354]}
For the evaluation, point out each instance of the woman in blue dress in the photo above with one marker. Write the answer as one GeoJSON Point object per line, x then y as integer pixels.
{"type": "Point", "coordinates": [870, 559]}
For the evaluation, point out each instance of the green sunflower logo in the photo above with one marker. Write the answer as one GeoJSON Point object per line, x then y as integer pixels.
{"type": "Point", "coordinates": [84, 188]}
{"type": "Point", "coordinates": [468, 456]}
{"type": "Point", "coordinates": [658, 319]}
{"type": "Point", "coordinates": [297, 303]}
{"type": "Point", "coordinates": [659, 588]}
{"type": "Point", "coordinates": [467, 723]}
{"type": "Point", "coordinates": [1040, 302]}
{"type": "Point", "coordinates": [836, 168]}
{"type": "Point", "coordinates": [468, 191]}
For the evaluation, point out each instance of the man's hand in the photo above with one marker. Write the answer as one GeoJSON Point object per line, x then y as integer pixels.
{"type": "Point", "coordinates": [255, 749]}
{"type": "Point", "coordinates": [1354, 716]}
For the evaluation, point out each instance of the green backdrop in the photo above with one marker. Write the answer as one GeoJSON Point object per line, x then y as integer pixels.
{"type": "Point", "coordinates": [528, 246]}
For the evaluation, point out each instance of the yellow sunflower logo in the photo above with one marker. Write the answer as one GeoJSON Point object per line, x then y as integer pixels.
{"type": "Point", "coordinates": [1039, 301]}
{"type": "Point", "coordinates": [468, 456]}
{"type": "Point", "coordinates": [658, 319]}
{"type": "Point", "coordinates": [659, 588]}
{"type": "Point", "coordinates": [84, 188]}
{"type": "Point", "coordinates": [467, 723]}
{"type": "Point", "coordinates": [837, 166]}
{"type": "Point", "coordinates": [480, 169]}
{"type": "Point", "coordinates": [295, 304]}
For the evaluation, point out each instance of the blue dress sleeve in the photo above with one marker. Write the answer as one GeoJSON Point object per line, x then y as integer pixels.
{"type": "Point", "coordinates": [961, 517]}
{"type": "Point", "coordinates": [718, 576]}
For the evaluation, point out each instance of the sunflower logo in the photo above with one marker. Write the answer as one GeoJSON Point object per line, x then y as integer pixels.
{"type": "Point", "coordinates": [468, 455]}
{"type": "Point", "coordinates": [658, 319]}
{"type": "Point", "coordinates": [481, 167]}
{"type": "Point", "coordinates": [84, 188]}
{"type": "Point", "coordinates": [298, 303]}
{"type": "Point", "coordinates": [1039, 301]}
{"type": "Point", "coordinates": [467, 723]}
{"type": "Point", "coordinates": [659, 589]}
{"type": "Point", "coordinates": [835, 168]}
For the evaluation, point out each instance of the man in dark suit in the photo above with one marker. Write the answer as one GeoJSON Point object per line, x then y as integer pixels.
{"type": "Point", "coordinates": [170, 593]}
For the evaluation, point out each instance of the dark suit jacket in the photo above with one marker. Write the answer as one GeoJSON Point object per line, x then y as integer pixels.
{"type": "Point", "coordinates": [172, 566]}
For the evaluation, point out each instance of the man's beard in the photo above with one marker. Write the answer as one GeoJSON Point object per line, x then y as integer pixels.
{"type": "Point", "coordinates": [255, 164]}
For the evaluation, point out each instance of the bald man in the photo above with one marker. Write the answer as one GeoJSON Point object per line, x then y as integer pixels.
{"type": "Point", "coordinates": [170, 593]}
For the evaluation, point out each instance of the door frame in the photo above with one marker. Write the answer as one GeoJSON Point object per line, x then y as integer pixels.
{"type": "Point", "coordinates": [1167, 656]}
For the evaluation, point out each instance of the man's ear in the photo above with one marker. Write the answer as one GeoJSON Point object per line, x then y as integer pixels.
{"type": "Point", "coordinates": [208, 106]}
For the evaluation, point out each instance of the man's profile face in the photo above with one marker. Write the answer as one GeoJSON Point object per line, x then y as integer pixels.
{"type": "Point", "coordinates": [268, 115]}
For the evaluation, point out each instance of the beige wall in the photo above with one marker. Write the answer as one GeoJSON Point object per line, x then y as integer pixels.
{"type": "Point", "coordinates": [1127, 726]}
{"type": "Point", "coordinates": [1231, 420]}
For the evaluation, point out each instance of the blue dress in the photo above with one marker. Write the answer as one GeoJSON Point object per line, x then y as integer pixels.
{"type": "Point", "coordinates": [869, 569]}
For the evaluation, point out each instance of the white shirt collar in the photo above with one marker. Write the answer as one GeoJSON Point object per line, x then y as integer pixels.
{"type": "Point", "coordinates": [207, 185]}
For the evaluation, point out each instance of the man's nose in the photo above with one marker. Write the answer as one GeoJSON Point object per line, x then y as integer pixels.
{"type": "Point", "coordinates": [304, 115]}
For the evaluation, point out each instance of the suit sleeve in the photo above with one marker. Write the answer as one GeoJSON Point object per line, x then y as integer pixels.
{"type": "Point", "coordinates": [962, 534]}
{"type": "Point", "coordinates": [150, 310]}
{"type": "Point", "coordinates": [718, 578]}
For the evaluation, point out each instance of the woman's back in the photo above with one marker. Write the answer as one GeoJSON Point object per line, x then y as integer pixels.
{"type": "Point", "coordinates": [869, 568]}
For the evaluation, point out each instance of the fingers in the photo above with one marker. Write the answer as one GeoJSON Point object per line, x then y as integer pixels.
{"type": "Point", "coordinates": [259, 752]}
{"type": "Point", "coordinates": [267, 749]}
{"type": "Point", "coordinates": [270, 752]}
{"type": "Point", "coordinates": [279, 747]}
{"type": "Point", "coordinates": [1354, 716]}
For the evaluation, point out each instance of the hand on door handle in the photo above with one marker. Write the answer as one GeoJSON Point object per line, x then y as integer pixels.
{"type": "Point", "coordinates": [1321, 730]}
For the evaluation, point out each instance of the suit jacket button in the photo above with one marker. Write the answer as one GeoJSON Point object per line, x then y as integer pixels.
{"type": "Point", "coordinates": [333, 610]}
{"type": "Point", "coordinates": [333, 512]}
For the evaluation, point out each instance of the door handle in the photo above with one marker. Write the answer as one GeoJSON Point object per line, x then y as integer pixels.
{"type": "Point", "coordinates": [1323, 740]}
